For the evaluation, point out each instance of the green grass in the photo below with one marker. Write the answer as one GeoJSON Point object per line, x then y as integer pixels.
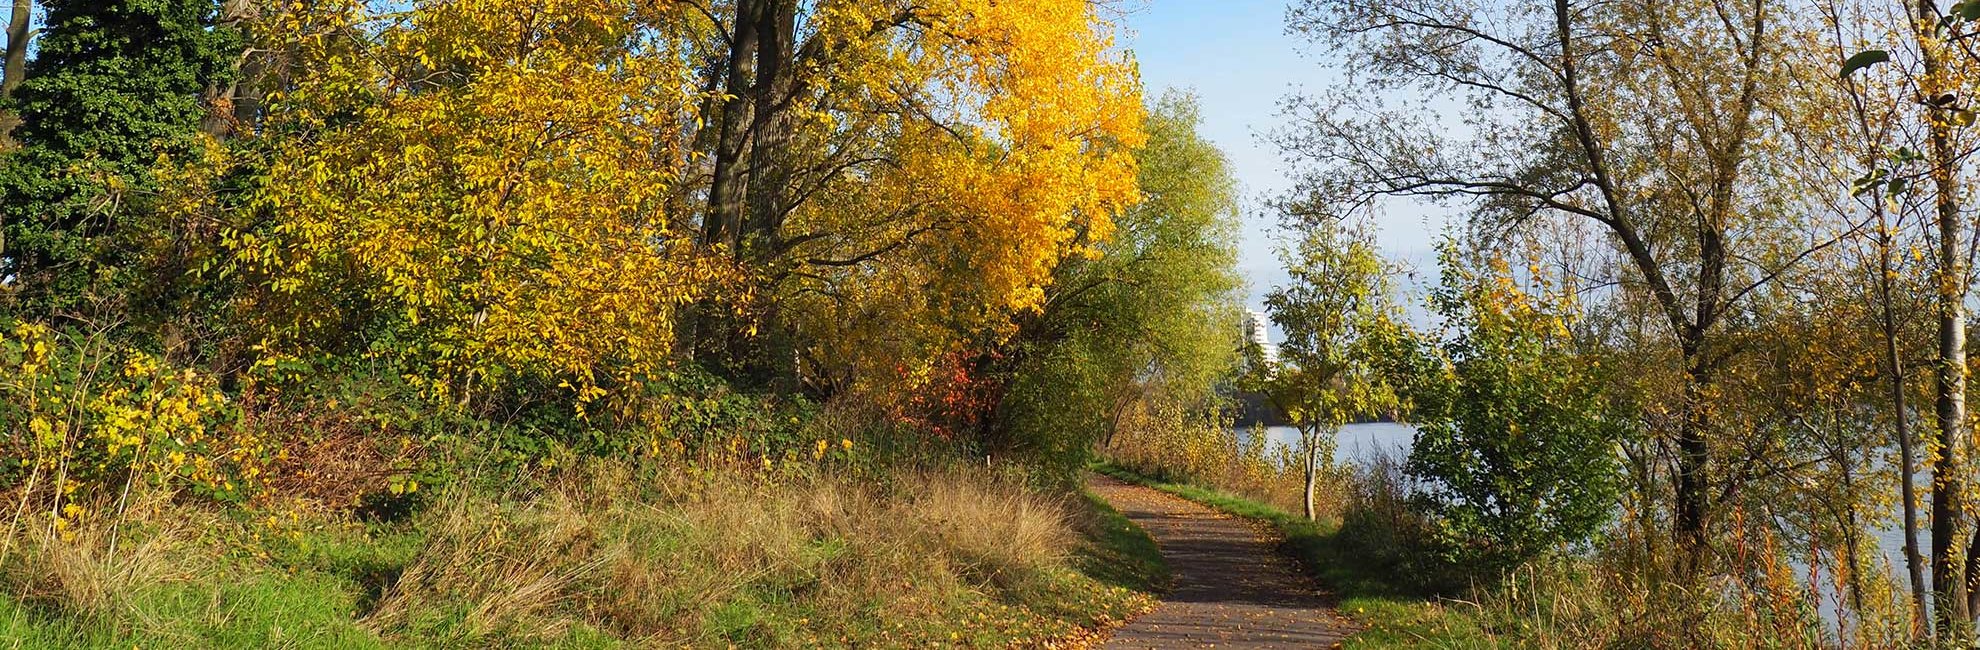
{"type": "Point", "coordinates": [259, 610]}
{"type": "Point", "coordinates": [1372, 595]}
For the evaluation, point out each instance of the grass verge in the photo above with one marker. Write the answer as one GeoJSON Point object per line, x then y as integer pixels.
{"type": "Point", "coordinates": [1393, 617]}
{"type": "Point", "coordinates": [603, 556]}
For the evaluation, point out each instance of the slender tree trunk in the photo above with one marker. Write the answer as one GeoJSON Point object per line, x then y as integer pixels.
{"type": "Point", "coordinates": [1914, 561]}
{"type": "Point", "coordinates": [1852, 533]}
{"type": "Point", "coordinates": [14, 73]}
{"type": "Point", "coordinates": [1948, 470]}
{"type": "Point", "coordinates": [1310, 435]}
{"type": "Point", "coordinates": [16, 61]}
{"type": "Point", "coordinates": [710, 329]}
{"type": "Point", "coordinates": [234, 104]}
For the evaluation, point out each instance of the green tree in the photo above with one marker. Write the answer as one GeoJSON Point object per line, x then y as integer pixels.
{"type": "Point", "coordinates": [1335, 308]}
{"type": "Point", "coordinates": [1152, 317]}
{"type": "Point", "coordinates": [113, 85]}
{"type": "Point", "coordinates": [1516, 443]}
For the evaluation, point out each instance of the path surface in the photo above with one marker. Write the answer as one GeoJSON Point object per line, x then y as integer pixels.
{"type": "Point", "coordinates": [1233, 589]}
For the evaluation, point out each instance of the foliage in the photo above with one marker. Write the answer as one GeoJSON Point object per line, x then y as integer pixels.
{"type": "Point", "coordinates": [113, 86]}
{"type": "Point", "coordinates": [1150, 320]}
{"type": "Point", "coordinates": [500, 222]}
{"type": "Point", "coordinates": [1516, 442]}
{"type": "Point", "coordinates": [934, 163]}
{"type": "Point", "coordinates": [89, 421]}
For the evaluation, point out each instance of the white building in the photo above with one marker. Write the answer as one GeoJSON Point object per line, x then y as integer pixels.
{"type": "Point", "coordinates": [1257, 331]}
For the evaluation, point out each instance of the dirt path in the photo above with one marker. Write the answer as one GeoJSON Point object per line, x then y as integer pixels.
{"type": "Point", "coordinates": [1233, 589]}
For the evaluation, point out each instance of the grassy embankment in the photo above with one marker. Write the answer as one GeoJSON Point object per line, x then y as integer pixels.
{"type": "Point", "coordinates": [1371, 593]}
{"type": "Point", "coordinates": [603, 555]}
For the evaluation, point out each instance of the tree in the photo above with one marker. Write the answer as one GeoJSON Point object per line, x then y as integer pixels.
{"type": "Point", "coordinates": [1516, 442]}
{"type": "Point", "coordinates": [1912, 149]}
{"type": "Point", "coordinates": [480, 203]}
{"type": "Point", "coordinates": [1953, 568]}
{"type": "Point", "coordinates": [1665, 148]}
{"type": "Point", "coordinates": [1334, 308]}
{"type": "Point", "coordinates": [113, 86]}
{"type": "Point", "coordinates": [841, 192]}
{"type": "Point", "coordinates": [903, 176]}
{"type": "Point", "coordinates": [1147, 320]}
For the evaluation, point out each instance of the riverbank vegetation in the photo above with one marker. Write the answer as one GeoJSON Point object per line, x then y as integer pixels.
{"type": "Point", "coordinates": [749, 323]}
{"type": "Point", "coordinates": [1697, 341]}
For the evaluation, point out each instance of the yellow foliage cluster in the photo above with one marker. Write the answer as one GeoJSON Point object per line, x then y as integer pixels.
{"type": "Point", "coordinates": [510, 190]}
{"type": "Point", "coordinates": [85, 420]}
{"type": "Point", "coordinates": [1020, 156]}
{"type": "Point", "coordinates": [496, 174]}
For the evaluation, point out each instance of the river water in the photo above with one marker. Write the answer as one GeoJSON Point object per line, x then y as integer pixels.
{"type": "Point", "coordinates": [1358, 443]}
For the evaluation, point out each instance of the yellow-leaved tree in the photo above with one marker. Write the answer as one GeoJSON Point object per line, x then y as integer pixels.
{"type": "Point", "coordinates": [837, 192]}
{"type": "Point", "coordinates": [479, 190]}
{"type": "Point", "coordinates": [904, 175]}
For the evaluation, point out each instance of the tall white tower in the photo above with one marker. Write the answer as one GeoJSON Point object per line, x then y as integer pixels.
{"type": "Point", "coordinates": [1255, 331]}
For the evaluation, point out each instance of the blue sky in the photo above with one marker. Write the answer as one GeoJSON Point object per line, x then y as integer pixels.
{"type": "Point", "coordinates": [1236, 57]}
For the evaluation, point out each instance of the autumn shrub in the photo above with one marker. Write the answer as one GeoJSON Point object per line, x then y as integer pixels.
{"type": "Point", "coordinates": [1173, 442]}
{"type": "Point", "coordinates": [87, 419]}
{"type": "Point", "coordinates": [1517, 451]}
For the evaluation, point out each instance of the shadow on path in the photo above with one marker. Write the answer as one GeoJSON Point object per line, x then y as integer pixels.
{"type": "Point", "coordinates": [1233, 589]}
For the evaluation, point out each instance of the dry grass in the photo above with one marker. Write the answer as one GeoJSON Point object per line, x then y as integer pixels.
{"type": "Point", "coordinates": [596, 555]}
{"type": "Point", "coordinates": [679, 558]}
{"type": "Point", "coordinates": [91, 569]}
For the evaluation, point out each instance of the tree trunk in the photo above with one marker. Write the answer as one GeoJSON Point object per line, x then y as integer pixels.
{"type": "Point", "coordinates": [1914, 562]}
{"type": "Point", "coordinates": [240, 97]}
{"type": "Point", "coordinates": [1310, 436]}
{"type": "Point", "coordinates": [1693, 492]}
{"type": "Point", "coordinates": [1948, 483]}
{"type": "Point", "coordinates": [1852, 536]}
{"type": "Point", "coordinates": [1952, 610]}
{"type": "Point", "coordinates": [14, 73]}
{"type": "Point", "coordinates": [16, 65]}
{"type": "Point", "coordinates": [770, 128]}
{"type": "Point", "coordinates": [1948, 470]}
{"type": "Point", "coordinates": [727, 189]}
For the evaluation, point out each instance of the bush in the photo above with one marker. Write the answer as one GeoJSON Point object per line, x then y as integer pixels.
{"type": "Point", "coordinates": [86, 419]}
{"type": "Point", "coordinates": [1516, 444]}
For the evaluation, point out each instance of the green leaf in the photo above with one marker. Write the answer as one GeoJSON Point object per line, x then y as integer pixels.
{"type": "Point", "coordinates": [1863, 60]}
{"type": "Point", "coordinates": [1867, 183]}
